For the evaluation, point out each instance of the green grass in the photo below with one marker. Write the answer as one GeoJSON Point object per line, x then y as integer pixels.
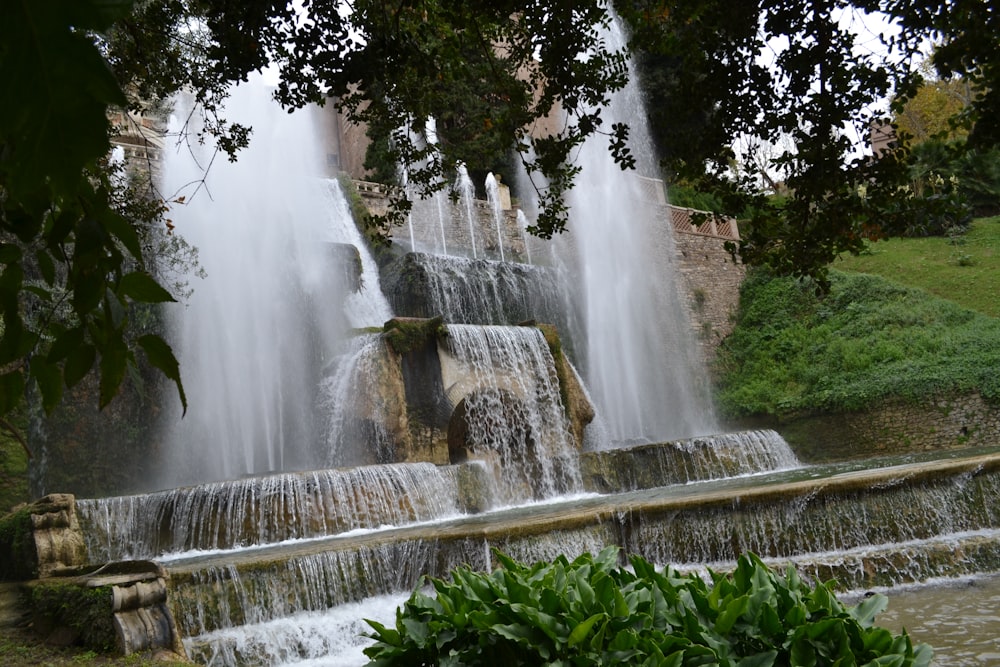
{"type": "Point", "coordinates": [965, 269]}
{"type": "Point", "coordinates": [869, 340]}
{"type": "Point", "coordinates": [19, 648]}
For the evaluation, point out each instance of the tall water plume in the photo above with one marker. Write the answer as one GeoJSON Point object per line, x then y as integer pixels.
{"type": "Point", "coordinates": [259, 328]}
{"type": "Point", "coordinates": [493, 197]}
{"type": "Point", "coordinates": [638, 358]}
{"type": "Point", "coordinates": [467, 195]}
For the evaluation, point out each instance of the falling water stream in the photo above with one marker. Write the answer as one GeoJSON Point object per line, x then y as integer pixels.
{"type": "Point", "coordinates": [259, 328]}
{"type": "Point", "coordinates": [278, 566]}
{"type": "Point", "coordinates": [638, 357]}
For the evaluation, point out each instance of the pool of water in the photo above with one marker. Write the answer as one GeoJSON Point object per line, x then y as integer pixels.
{"type": "Point", "coordinates": [959, 618]}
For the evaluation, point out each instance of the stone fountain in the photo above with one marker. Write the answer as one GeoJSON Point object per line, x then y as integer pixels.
{"type": "Point", "coordinates": [360, 422]}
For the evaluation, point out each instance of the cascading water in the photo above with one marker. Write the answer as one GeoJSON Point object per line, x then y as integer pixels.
{"type": "Point", "coordinates": [268, 509]}
{"type": "Point", "coordinates": [637, 355]}
{"type": "Point", "coordinates": [290, 555]}
{"type": "Point", "coordinates": [493, 198]}
{"type": "Point", "coordinates": [476, 291]}
{"type": "Point", "coordinates": [504, 384]}
{"type": "Point", "coordinates": [467, 196]}
{"type": "Point", "coordinates": [258, 328]}
{"type": "Point", "coordinates": [356, 413]}
{"type": "Point", "coordinates": [522, 226]}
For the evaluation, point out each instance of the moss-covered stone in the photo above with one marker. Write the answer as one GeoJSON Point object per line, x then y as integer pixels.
{"type": "Point", "coordinates": [18, 560]}
{"type": "Point", "coordinates": [405, 334]}
{"type": "Point", "coordinates": [86, 612]}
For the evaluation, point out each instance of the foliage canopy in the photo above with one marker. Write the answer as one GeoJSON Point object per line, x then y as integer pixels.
{"type": "Point", "coordinates": [486, 75]}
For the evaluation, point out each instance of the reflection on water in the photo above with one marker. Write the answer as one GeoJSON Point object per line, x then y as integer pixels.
{"type": "Point", "coordinates": [959, 618]}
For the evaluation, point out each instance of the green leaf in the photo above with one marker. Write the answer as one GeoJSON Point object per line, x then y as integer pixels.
{"type": "Point", "coordinates": [416, 631]}
{"type": "Point", "coordinates": [46, 266]}
{"type": "Point", "coordinates": [124, 231]}
{"type": "Point", "coordinates": [79, 360]}
{"type": "Point", "coordinates": [516, 632]}
{"type": "Point", "coordinates": [114, 358]}
{"type": "Point", "coordinates": [9, 253]}
{"type": "Point", "coordinates": [923, 655]}
{"type": "Point", "coordinates": [766, 659]}
{"type": "Point", "coordinates": [63, 87]}
{"type": "Point", "coordinates": [731, 613]}
{"type": "Point", "coordinates": [581, 631]}
{"type": "Point", "coordinates": [140, 286]}
{"type": "Point", "coordinates": [65, 342]}
{"type": "Point", "coordinates": [803, 654]}
{"type": "Point", "coordinates": [11, 390]}
{"type": "Point", "coordinates": [865, 612]}
{"type": "Point", "coordinates": [162, 357]}
{"type": "Point", "coordinates": [49, 381]}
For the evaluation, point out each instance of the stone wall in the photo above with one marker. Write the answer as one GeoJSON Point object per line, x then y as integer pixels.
{"type": "Point", "coordinates": [937, 424]}
{"type": "Point", "coordinates": [430, 217]}
{"type": "Point", "coordinates": [708, 277]}
{"type": "Point", "coordinates": [710, 282]}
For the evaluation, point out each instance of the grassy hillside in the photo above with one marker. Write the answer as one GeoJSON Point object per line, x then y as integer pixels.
{"type": "Point", "coordinates": [963, 269]}
{"type": "Point", "coordinates": [868, 340]}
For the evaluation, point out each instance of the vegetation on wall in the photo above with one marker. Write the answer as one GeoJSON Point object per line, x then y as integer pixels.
{"type": "Point", "coordinates": [868, 340]}
{"type": "Point", "coordinates": [592, 612]}
{"type": "Point", "coordinates": [86, 611]}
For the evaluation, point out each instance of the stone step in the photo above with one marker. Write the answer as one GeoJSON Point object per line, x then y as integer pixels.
{"type": "Point", "coordinates": [936, 508]}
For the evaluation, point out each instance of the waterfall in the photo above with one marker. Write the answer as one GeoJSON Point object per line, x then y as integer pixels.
{"type": "Point", "coordinates": [863, 528]}
{"type": "Point", "coordinates": [356, 411]}
{"type": "Point", "coordinates": [265, 318]}
{"type": "Point", "coordinates": [726, 455]}
{"type": "Point", "coordinates": [467, 196]}
{"type": "Point", "coordinates": [493, 198]}
{"type": "Point", "coordinates": [264, 510]}
{"type": "Point", "coordinates": [522, 226]}
{"type": "Point", "coordinates": [504, 385]}
{"type": "Point", "coordinates": [476, 291]}
{"type": "Point", "coordinates": [638, 355]}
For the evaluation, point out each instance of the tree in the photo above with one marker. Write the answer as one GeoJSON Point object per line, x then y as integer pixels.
{"type": "Point", "coordinates": [487, 72]}
{"type": "Point", "coordinates": [934, 109]}
{"type": "Point", "coordinates": [72, 264]}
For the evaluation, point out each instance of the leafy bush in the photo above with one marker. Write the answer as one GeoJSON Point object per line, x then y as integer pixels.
{"type": "Point", "coordinates": [591, 612]}
{"type": "Point", "coordinates": [869, 339]}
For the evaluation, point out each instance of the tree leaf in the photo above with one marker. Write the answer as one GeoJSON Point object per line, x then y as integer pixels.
{"type": "Point", "coordinates": [162, 357]}
{"type": "Point", "coordinates": [114, 358]}
{"type": "Point", "coordinates": [124, 231]}
{"type": "Point", "coordinates": [80, 359]}
{"type": "Point", "coordinates": [11, 390]}
{"type": "Point", "coordinates": [62, 101]}
{"type": "Point", "coordinates": [9, 253]}
{"type": "Point", "coordinates": [140, 286]}
{"type": "Point", "coordinates": [49, 381]}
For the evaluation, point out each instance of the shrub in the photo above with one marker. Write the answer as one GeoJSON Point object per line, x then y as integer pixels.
{"type": "Point", "coordinates": [867, 340]}
{"type": "Point", "coordinates": [592, 612]}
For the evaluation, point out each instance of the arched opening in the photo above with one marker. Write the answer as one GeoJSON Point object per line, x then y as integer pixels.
{"type": "Point", "coordinates": [495, 424]}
